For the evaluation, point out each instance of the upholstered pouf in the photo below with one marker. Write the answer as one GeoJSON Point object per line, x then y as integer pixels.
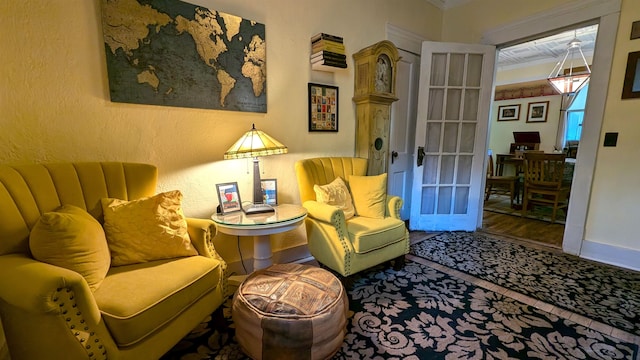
{"type": "Point", "coordinates": [290, 311]}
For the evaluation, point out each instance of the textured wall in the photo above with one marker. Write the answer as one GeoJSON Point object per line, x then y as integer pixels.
{"type": "Point", "coordinates": [54, 95]}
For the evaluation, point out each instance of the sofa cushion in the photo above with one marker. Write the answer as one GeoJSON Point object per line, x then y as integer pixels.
{"type": "Point", "coordinates": [71, 238]}
{"type": "Point", "coordinates": [337, 194]}
{"type": "Point", "coordinates": [369, 195]}
{"type": "Point", "coordinates": [146, 229]}
{"type": "Point", "coordinates": [369, 234]}
{"type": "Point", "coordinates": [137, 299]}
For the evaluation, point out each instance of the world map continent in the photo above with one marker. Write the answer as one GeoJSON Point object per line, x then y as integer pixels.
{"type": "Point", "coordinates": [177, 54]}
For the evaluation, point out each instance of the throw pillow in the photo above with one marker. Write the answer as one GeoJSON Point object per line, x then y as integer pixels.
{"type": "Point", "coordinates": [369, 195]}
{"type": "Point", "coordinates": [71, 238]}
{"type": "Point", "coordinates": [337, 194]}
{"type": "Point", "coordinates": [146, 229]}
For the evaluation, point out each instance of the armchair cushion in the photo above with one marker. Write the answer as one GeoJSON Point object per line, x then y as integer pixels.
{"type": "Point", "coordinates": [71, 238]}
{"type": "Point", "coordinates": [370, 234]}
{"type": "Point", "coordinates": [146, 229]}
{"type": "Point", "coordinates": [337, 194]}
{"type": "Point", "coordinates": [369, 195]}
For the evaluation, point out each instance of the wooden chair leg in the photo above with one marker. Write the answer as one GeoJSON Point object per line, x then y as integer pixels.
{"type": "Point", "coordinates": [398, 263]}
{"type": "Point", "coordinates": [525, 203]}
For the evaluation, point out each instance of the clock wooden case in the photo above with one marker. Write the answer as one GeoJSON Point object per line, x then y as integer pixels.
{"type": "Point", "coordinates": [375, 84]}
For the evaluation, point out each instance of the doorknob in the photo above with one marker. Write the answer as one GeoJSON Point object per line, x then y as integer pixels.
{"type": "Point", "coordinates": [420, 155]}
{"type": "Point", "coordinates": [394, 155]}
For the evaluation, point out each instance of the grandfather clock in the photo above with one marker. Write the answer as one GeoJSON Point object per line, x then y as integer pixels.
{"type": "Point", "coordinates": [375, 87]}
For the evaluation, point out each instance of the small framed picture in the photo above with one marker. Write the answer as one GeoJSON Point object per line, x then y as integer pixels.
{"type": "Point", "coordinates": [631, 86]}
{"type": "Point", "coordinates": [269, 191]}
{"type": "Point", "coordinates": [509, 112]}
{"type": "Point", "coordinates": [537, 111]}
{"type": "Point", "coordinates": [229, 197]}
{"type": "Point", "coordinates": [323, 107]}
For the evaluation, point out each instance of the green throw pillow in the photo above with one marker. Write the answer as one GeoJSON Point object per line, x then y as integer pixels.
{"type": "Point", "coordinates": [71, 238]}
{"type": "Point", "coordinates": [369, 195]}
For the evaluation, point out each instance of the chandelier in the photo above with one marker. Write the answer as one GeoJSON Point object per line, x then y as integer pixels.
{"type": "Point", "coordinates": [570, 81]}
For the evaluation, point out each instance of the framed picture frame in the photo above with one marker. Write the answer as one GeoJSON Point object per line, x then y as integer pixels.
{"type": "Point", "coordinates": [635, 30]}
{"type": "Point", "coordinates": [269, 191]}
{"type": "Point", "coordinates": [631, 86]}
{"type": "Point", "coordinates": [323, 107]}
{"type": "Point", "coordinates": [537, 111]}
{"type": "Point", "coordinates": [509, 112]}
{"type": "Point", "coordinates": [228, 197]}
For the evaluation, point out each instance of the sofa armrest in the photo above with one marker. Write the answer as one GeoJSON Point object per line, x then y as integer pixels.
{"type": "Point", "coordinates": [202, 232]}
{"type": "Point", "coordinates": [394, 204]}
{"type": "Point", "coordinates": [33, 286]}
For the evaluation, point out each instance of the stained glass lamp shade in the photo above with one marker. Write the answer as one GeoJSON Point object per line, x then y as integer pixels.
{"type": "Point", "coordinates": [252, 144]}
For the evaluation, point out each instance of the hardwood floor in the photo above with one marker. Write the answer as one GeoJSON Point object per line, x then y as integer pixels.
{"type": "Point", "coordinates": [523, 228]}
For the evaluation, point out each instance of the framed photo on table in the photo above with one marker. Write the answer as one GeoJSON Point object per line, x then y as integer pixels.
{"type": "Point", "coordinates": [509, 112]}
{"type": "Point", "coordinates": [537, 111]}
{"type": "Point", "coordinates": [229, 197]}
{"type": "Point", "coordinates": [323, 107]}
{"type": "Point", "coordinates": [269, 191]}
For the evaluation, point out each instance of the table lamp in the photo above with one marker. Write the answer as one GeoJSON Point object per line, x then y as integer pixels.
{"type": "Point", "coordinates": [252, 144]}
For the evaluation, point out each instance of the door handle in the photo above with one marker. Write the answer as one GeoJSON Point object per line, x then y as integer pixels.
{"type": "Point", "coordinates": [420, 155]}
{"type": "Point", "coordinates": [394, 155]}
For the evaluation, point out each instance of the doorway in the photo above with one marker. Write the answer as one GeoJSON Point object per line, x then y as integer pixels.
{"type": "Point", "coordinates": [522, 70]}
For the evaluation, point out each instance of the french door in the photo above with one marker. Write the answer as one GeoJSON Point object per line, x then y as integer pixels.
{"type": "Point", "coordinates": [454, 101]}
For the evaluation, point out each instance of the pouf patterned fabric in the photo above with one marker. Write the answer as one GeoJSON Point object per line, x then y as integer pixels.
{"type": "Point", "coordinates": [290, 311]}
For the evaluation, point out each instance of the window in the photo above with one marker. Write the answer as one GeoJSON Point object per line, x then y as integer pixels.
{"type": "Point", "coordinates": [575, 115]}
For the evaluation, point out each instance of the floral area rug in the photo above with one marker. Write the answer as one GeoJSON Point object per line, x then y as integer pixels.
{"type": "Point", "coordinates": [600, 292]}
{"type": "Point", "coordinates": [421, 313]}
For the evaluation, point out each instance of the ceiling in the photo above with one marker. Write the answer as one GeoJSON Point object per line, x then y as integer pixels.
{"type": "Point", "coordinates": [548, 49]}
{"type": "Point", "coordinates": [544, 50]}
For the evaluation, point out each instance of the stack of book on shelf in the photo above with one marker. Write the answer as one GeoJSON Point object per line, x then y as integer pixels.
{"type": "Point", "coordinates": [327, 52]}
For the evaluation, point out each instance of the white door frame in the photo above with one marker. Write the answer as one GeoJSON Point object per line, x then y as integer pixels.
{"type": "Point", "coordinates": [607, 13]}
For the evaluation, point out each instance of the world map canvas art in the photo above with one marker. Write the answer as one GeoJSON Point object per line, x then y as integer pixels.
{"type": "Point", "coordinates": [172, 53]}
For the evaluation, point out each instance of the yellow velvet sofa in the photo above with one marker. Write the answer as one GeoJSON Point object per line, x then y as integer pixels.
{"type": "Point", "coordinates": [139, 311]}
{"type": "Point", "coordinates": [350, 245]}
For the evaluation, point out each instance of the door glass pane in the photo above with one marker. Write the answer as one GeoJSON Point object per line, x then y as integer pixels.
{"type": "Point", "coordinates": [454, 99]}
{"type": "Point", "coordinates": [432, 143]}
{"type": "Point", "coordinates": [461, 202]}
{"type": "Point", "coordinates": [444, 200]}
{"type": "Point", "coordinates": [474, 70]}
{"type": "Point", "coordinates": [428, 203]}
{"type": "Point", "coordinates": [430, 171]}
{"type": "Point", "coordinates": [456, 69]}
{"type": "Point", "coordinates": [436, 101]}
{"type": "Point", "coordinates": [450, 141]}
{"type": "Point", "coordinates": [468, 136]}
{"type": "Point", "coordinates": [438, 69]}
{"type": "Point", "coordinates": [464, 169]}
{"type": "Point", "coordinates": [447, 169]}
{"type": "Point", "coordinates": [471, 99]}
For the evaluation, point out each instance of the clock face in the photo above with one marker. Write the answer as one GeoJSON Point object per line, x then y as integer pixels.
{"type": "Point", "coordinates": [383, 74]}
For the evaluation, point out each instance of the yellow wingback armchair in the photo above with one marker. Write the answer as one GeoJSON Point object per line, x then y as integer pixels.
{"type": "Point", "coordinates": [348, 246]}
{"type": "Point", "coordinates": [139, 311]}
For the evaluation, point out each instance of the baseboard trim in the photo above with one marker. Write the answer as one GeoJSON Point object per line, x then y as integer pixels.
{"type": "Point", "coordinates": [612, 255]}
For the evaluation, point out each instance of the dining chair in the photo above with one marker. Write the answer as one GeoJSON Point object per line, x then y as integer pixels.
{"type": "Point", "coordinates": [496, 184]}
{"type": "Point", "coordinates": [543, 182]}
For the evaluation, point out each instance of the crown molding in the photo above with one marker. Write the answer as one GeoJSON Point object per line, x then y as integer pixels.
{"type": "Point", "coordinates": [447, 4]}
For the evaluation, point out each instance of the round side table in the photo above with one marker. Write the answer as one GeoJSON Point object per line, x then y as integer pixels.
{"type": "Point", "coordinates": [259, 226]}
